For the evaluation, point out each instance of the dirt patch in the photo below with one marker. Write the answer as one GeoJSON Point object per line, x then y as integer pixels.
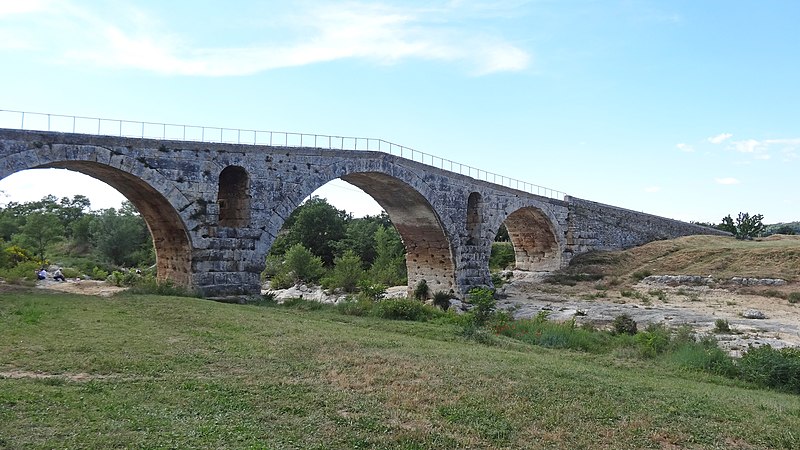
{"type": "Point", "coordinates": [84, 287]}
{"type": "Point", "coordinates": [75, 377]}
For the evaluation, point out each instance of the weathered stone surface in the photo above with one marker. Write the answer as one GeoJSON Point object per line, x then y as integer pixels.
{"type": "Point", "coordinates": [215, 209]}
{"type": "Point", "coordinates": [753, 314]}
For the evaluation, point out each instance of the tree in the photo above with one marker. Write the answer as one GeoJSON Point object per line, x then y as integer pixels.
{"type": "Point", "coordinates": [347, 272]}
{"type": "Point", "coordinates": [746, 226]}
{"type": "Point", "coordinates": [121, 238]}
{"type": "Point", "coordinates": [40, 230]}
{"type": "Point", "coordinates": [315, 224]}
{"type": "Point", "coordinates": [389, 267]}
{"type": "Point", "coordinates": [302, 265]}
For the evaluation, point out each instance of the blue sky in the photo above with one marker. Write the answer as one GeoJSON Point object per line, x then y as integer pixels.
{"type": "Point", "coordinates": [686, 109]}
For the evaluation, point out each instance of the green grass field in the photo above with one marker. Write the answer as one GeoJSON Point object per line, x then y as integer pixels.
{"type": "Point", "coordinates": [167, 372]}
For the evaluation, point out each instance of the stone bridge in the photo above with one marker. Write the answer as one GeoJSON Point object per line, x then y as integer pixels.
{"type": "Point", "coordinates": [214, 209]}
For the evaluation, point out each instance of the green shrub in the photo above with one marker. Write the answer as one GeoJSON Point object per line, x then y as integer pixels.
{"type": "Point", "coordinates": [421, 290]}
{"type": "Point", "coordinates": [372, 291]}
{"type": "Point", "coordinates": [623, 324]}
{"type": "Point", "coordinates": [640, 275]}
{"type": "Point", "coordinates": [351, 307]}
{"type": "Point", "coordinates": [502, 256]}
{"type": "Point", "coordinates": [703, 356]}
{"type": "Point", "coordinates": [23, 273]}
{"type": "Point", "coordinates": [151, 286]}
{"type": "Point", "coordinates": [540, 331]}
{"type": "Point", "coordinates": [722, 326]}
{"type": "Point", "coordinates": [442, 299]}
{"type": "Point", "coordinates": [653, 341]}
{"type": "Point", "coordinates": [346, 273]}
{"type": "Point", "coordinates": [483, 303]}
{"type": "Point", "coordinates": [99, 274]}
{"type": "Point", "coordinates": [403, 309]}
{"type": "Point", "coordinates": [69, 272]}
{"type": "Point", "coordinates": [794, 297]}
{"type": "Point", "coordinates": [571, 279]}
{"type": "Point", "coordinates": [766, 366]}
{"type": "Point", "coordinates": [773, 293]}
{"type": "Point", "coordinates": [658, 293]}
{"type": "Point", "coordinates": [301, 265]}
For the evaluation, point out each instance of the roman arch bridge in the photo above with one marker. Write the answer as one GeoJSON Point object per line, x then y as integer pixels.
{"type": "Point", "coordinates": [215, 208]}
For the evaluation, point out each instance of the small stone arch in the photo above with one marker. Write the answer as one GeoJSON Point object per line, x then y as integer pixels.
{"type": "Point", "coordinates": [234, 197]}
{"type": "Point", "coordinates": [474, 218]}
{"type": "Point", "coordinates": [533, 235]}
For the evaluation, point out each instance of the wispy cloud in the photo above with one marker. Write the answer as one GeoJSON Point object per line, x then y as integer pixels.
{"type": "Point", "coordinates": [373, 32]}
{"type": "Point", "coordinates": [720, 138]}
{"type": "Point", "coordinates": [727, 181]}
{"type": "Point", "coordinates": [684, 147]}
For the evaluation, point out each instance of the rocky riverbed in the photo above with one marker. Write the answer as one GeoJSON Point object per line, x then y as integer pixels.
{"type": "Point", "coordinates": [753, 319]}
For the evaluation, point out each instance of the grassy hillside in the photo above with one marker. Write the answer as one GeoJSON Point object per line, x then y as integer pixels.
{"type": "Point", "coordinates": [163, 372]}
{"type": "Point", "coordinates": [722, 257]}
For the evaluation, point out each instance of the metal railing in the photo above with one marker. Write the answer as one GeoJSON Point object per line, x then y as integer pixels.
{"type": "Point", "coordinates": [24, 120]}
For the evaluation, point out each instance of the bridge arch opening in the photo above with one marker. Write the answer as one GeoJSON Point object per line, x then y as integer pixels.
{"type": "Point", "coordinates": [534, 240]}
{"type": "Point", "coordinates": [234, 197]}
{"type": "Point", "coordinates": [429, 256]}
{"type": "Point", "coordinates": [415, 233]}
{"type": "Point", "coordinates": [170, 240]}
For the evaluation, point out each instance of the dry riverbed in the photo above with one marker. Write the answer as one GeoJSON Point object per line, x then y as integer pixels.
{"type": "Point", "coordinates": [696, 306]}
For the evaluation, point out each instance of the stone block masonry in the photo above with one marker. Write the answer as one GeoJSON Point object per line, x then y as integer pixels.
{"type": "Point", "coordinates": [215, 209]}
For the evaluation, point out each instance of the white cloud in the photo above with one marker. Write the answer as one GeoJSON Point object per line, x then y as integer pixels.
{"type": "Point", "coordinates": [684, 147]}
{"type": "Point", "coordinates": [376, 33]}
{"type": "Point", "coordinates": [727, 181]}
{"type": "Point", "coordinates": [720, 138]}
{"type": "Point", "coordinates": [652, 189]}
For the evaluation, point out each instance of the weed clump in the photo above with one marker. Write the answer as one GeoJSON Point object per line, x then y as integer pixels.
{"type": "Point", "coordinates": [623, 324]}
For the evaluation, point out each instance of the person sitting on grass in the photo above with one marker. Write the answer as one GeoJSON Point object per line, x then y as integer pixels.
{"type": "Point", "coordinates": [58, 276]}
{"type": "Point", "coordinates": [42, 274]}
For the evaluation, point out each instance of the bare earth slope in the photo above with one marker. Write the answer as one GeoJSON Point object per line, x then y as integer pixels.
{"type": "Point", "coordinates": [619, 286]}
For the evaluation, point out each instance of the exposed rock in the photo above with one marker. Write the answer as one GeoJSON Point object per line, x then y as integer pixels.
{"type": "Point", "coordinates": [753, 314]}
{"type": "Point", "coordinates": [674, 280]}
{"type": "Point", "coordinates": [744, 281]}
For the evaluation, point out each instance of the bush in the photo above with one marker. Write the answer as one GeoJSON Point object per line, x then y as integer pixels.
{"type": "Point", "coordinates": [640, 275]}
{"type": "Point", "coordinates": [422, 290]}
{"type": "Point", "coordinates": [703, 356]}
{"type": "Point", "coordinates": [346, 273]}
{"type": "Point", "coordinates": [403, 309]}
{"type": "Point", "coordinates": [623, 324]}
{"type": "Point", "coordinates": [372, 291]}
{"type": "Point", "coordinates": [352, 307]}
{"type": "Point", "coordinates": [772, 368]}
{"type": "Point", "coordinates": [301, 265]}
{"type": "Point", "coordinates": [483, 303]}
{"type": "Point", "coordinates": [653, 341]}
{"type": "Point", "coordinates": [442, 299]}
{"type": "Point", "coordinates": [502, 256]}
{"type": "Point", "coordinates": [99, 274]}
{"type": "Point", "coordinates": [151, 286]}
{"type": "Point", "coordinates": [722, 326]}
{"type": "Point", "coordinates": [794, 297]}
{"type": "Point", "coordinates": [23, 273]}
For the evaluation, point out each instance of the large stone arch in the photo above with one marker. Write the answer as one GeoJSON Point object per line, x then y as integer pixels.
{"type": "Point", "coordinates": [429, 254]}
{"type": "Point", "coordinates": [133, 180]}
{"type": "Point", "coordinates": [538, 246]}
{"type": "Point", "coordinates": [407, 199]}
